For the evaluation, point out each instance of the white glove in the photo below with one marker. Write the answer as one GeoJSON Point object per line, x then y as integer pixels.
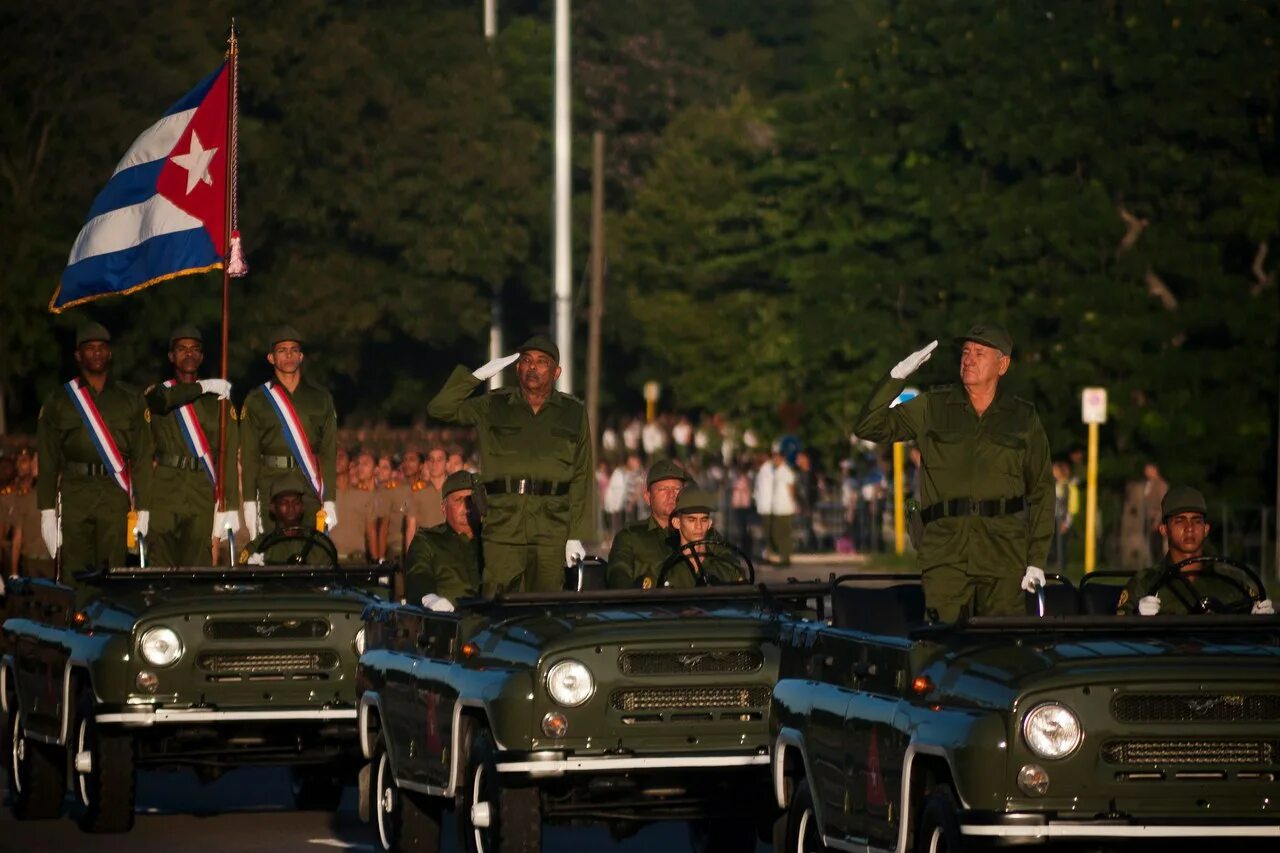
{"type": "Point", "coordinates": [331, 514]}
{"type": "Point", "coordinates": [220, 388]}
{"type": "Point", "coordinates": [50, 530]}
{"type": "Point", "coordinates": [573, 550]}
{"type": "Point", "coordinates": [439, 603]}
{"type": "Point", "coordinates": [224, 520]}
{"type": "Point", "coordinates": [492, 368]}
{"type": "Point", "coordinates": [911, 363]}
{"type": "Point", "coordinates": [1033, 578]}
{"type": "Point", "coordinates": [1148, 605]}
{"type": "Point", "coordinates": [143, 524]}
{"type": "Point", "coordinates": [1263, 608]}
{"type": "Point", "coordinates": [256, 560]}
{"type": "Point", "coordinates": [252, 524]}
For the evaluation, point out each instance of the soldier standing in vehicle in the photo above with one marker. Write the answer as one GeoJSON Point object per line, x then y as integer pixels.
{"type": "Point", "coordinates": [535, 455]}
{"type": "Point", "coordinates": [1184, 525]}
{"type": "Point", "coordinates": [95, 450]}
{"type": "Point", "coordinates": [184, 415]}
{"type": "Point", "coordinates": [641, 548]}
{"type": "Point", "coordinates": [987, 491]}
{"type": "Point", "coordinates": [288, 423]}
{"type": "Point", "coordinates": [444, 561]}
{"type": "Point", "coordinates": [293, 540]}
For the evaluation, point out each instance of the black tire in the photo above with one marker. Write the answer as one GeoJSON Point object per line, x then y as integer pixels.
{"type": "Point", "coordinates": [938, 830]}
{"type": "Point", "coordinates": [515, 813]}
{"type": "Point", "coordinates": [317, 788]}
{"type": "Point", "coordinates": [404, 820]}
{"type": "Point", "coordinates": [804, 835]}
{"type": "Point", "coordinates": [723, 835]}
{"type": "Point", "coordinates": [37, 775]}
{"type": "Point", "coordinates": [105, 794]}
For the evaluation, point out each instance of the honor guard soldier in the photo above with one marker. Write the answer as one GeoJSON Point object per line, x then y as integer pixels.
{"type": "Point", "coordinates": [444, 561]}
{"type": "Point", "coordinates": [184, 415]}
{"type": "Point", "coordinates": [293, 540]}
{"type": "Point", "coordinates": [987, 492]}
{"type": "Point", "coordinates": [641, 548]}
{"type": "Point", "coordinates": [288, 423]}
{"type": "Point", "coordinates": [96, 457]}
{"type": "Point", "coordinates": [535, 458]}
{"type": "Point", "coordinates": [29, 556]}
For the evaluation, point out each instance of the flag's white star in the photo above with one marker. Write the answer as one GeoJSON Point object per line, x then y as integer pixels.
{"type": "Point", "coordinates": [196, 162]}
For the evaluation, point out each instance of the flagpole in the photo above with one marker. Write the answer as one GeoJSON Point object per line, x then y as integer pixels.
{"type": "Point", "coordinates": [233, 51]}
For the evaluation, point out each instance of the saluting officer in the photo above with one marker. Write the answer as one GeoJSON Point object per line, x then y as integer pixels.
{"type": "Point", "coordinates": [987, 491]}
{"type": "Point", "coordinates": [641, 548]}
{"type": "Point", "coordinates": [184, 413]}
{"type": "Point", "coordinates": [95, 452]}
{"type": "Point", "coordinates": [535, 456]}
{"type": "Point", "coordinates": [445, 560]}
{"type": "Point", "coordinates": [288, 423]}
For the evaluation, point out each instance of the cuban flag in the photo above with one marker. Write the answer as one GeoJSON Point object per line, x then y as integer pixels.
{"type": "Point", "coordinates": [163, 213]}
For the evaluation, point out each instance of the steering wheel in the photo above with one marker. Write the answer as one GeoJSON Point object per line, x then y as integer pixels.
{"type": "Point", "coordinates": [688, 556]}
{"type": "Point", "coordinates": [1242, 605]}
{"type": "Point", "coordinates": [314, 537]}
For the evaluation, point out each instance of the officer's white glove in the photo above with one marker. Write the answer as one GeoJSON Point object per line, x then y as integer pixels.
{"type": "Point", "coordinates": [492, 368]}
{"type": "Point", "coordinates": [1263, 608]}
{"type": "Point", "coordinates": [439, 603]}
{"type": "Point", "coordinates": [573, 550]}
{"type": "Point", "coordinates": [220, 388]}
{"type": "Point", "coordinates": [256, 560]}
{"type": "Point", "coordinates": [1148, 605]}
{"type": "Point", "coordinates": [50, 530]}
{"type": "Point", "coordinates": [331, 514]}
{"type": "Point", "coordinates": [911, 363]}
{"type": "Point", "coordinates": [143, 524]}
{"type": "Point", "coordinates": [1033, 578]}
{"type": "Point", "coordinates": [224, 521]}
{"type": "Point", "coordinates": [252, 524]}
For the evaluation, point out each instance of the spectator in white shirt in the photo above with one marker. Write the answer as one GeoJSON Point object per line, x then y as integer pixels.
{"type": "Point", "coordinates": [783, 506]}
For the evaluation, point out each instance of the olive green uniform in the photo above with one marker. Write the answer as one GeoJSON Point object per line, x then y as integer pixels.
{"type": "Point", "coordinates": [638, 550]}
{"type": "Point", "coordinates": [299, 549]}
{"type": "Point", "coordinates": [525, 534]}
{"type": "Point", "coordinates": [972, 560]}
{"type": "Point", "coordinates": [182, 524]}
{"type": "Point", "coordinates": [1190, 586]}
{"type": "Point", "coordinates": [443, 562]}
{"type": "Point", "coordinates": [95, 509]}
{"type": "Point", "coordinates": [34, 560]}
{"type": "Point", "coordinates": [715, 566]}
{"type": "Point", "coordinates": [265, 453]}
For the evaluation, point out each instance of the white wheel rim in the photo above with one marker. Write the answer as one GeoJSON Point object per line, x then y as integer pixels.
{"type": "Point", "coordinates": [19, 752]}
{"type": "Point", "coordinates": [386, 802]}
{"type": "Point", "coordinates": [477, 785]}
{"type": "Point", "coordinates": [803, 830]}
{"type": "Point", "coordinates": [82, 779]}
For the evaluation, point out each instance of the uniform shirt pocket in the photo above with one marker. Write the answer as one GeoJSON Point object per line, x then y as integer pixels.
{"type": "Point", "coordinates": [1008, 450]}
{"type": "Point", "coordinates": [944, 448]}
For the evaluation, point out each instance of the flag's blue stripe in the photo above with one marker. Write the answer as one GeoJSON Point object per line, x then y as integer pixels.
{"type": "Point", "coordinates": [196, 96]}
{"type": "Point", "coordinates": [132, 186]}
{"type": "Point", "coordinates": [115, 272]}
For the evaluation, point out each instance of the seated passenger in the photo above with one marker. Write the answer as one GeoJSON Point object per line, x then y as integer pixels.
{"type": "Point", "coordinates": [289, 543]}
{"type": "Point", "coordinates": [641, 548]}
{"type": "Point", "coordinates": [444, 561]}
{"type": "Point", "coordinates": [1184, 525]}
{"type": "Point", "coordinates": [692, 522]}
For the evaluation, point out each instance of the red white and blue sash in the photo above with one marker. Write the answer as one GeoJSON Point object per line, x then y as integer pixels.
{"type": "Point", "coordinates": [99, 434]}
{"type": "Point", "coordinates": [295, 435]}
{"type": "Point", "coordinates": [193, 435]}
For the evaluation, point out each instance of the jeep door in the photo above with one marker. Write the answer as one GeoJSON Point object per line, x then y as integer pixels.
{"type": "Point", "coordinates": [434, 696]}
{"type": "Point", "coordinates": [399, 712]}
{"type": "Point", "coordinates": [824, 735]}
{"type": "Point", "coordinates": [41, 652]}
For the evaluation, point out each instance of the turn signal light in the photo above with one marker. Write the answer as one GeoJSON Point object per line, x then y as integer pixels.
{"type": "Point", "coordinates": [469, 649]}
{"type": "Point", "coordinates": [921, 684]}
{"type": "Point", "coordinates": [79, 619]}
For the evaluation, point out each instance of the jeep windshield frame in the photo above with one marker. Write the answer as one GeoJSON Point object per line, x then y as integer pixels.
{"type": "Point", "coordinates": [769, 595]}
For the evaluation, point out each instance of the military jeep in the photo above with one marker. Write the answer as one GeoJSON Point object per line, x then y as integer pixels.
{"type": "Point", "coordinates": [1075, 726]}
{"type": "Point", "coordinates": [210, 668]}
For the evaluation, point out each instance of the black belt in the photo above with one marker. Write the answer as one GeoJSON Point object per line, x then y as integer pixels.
{"type": "Point", "coordinates": [279, 462]}
{"type": "Point", "coordinates": [964, 506]}
{"type": "Point", "coordinates": [173, 460]}
{"type": "Point", "coordinates": [550, 488]}
{"type": "Point", "coordinates": [87, 469]}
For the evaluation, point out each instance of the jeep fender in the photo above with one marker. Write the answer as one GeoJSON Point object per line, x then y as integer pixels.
{"type": "Point", "coordinates": [372, 700]}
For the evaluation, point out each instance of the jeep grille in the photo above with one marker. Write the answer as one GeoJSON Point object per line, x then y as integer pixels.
{"type": "Point", "coordinates": [670, 698]}
{"type": "Point", "coordinates": [1196, 708]}
{"type": "Point", "coordinates": [1191, 752]}
{"type": "Point", "coordinates": [272, 628]}
{"type": "Point", "coordinates": [690, 663]}
{"type": "Point", "coordinates": [233, 666]}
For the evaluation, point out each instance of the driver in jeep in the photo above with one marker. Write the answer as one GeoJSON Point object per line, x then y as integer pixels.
{"type": "Point", "coordinates": [1158, 590]}
{"type": "Point", "coordinates": [290, 542]}
{"type": "Point", "coordinates": [692, 523]}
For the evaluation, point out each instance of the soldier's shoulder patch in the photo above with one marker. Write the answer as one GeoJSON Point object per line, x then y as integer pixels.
{"type": "Point", "coordinates": [146, 414]}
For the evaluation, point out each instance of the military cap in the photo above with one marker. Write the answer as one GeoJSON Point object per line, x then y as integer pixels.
{"type": "Point", "coordinates": [457, 481]}
{"type": "Point", "coordinates": [92, 332]}
{"type": "Point", "coordinates": [1182, 499]}
{"type": "Point", "coordinates": [989, 335]}
{"type": "Point", "coordinates": [665, 469]}
{"type": "Point", "coordinates": [290, 481]}
{"type": "Point", "coordinates": [542, 343]}
{"type": "Point", "coordinates": [284, 333]}
{"type": "Point", "coordinates": [186, 330]}
{"type": "Point", "coordinates": [696, 500]}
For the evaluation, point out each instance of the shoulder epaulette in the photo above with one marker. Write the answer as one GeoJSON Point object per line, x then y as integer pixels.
{"type": "Point", "coordinates": [1027, 403]}
{"type": "Point", "coordinates": [944, 387]}
{"type": "Point", "coordinates": [419, 485]}
{"type": "Point", "coordinates": [7, 490]}
{"type": "Point", "coordinates": [390, 484]}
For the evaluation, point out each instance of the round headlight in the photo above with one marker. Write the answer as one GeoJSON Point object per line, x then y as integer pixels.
{"type": "Point", "coordinates": [570, 683]}
{"type": "Point", "coordinates": [359, 642]}
{"type": "Point", "coordinates": [1052, 731]}
{"type": "Point", "coordinates": [160, 646]}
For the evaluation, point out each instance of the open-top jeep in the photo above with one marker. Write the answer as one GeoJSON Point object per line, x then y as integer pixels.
{"type": "Point", "coordinates": [590, 705]}
{"type": "Point", "coordinates": [210, 668]}
{"type": "Point", "coordinates": [1078, 725]}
